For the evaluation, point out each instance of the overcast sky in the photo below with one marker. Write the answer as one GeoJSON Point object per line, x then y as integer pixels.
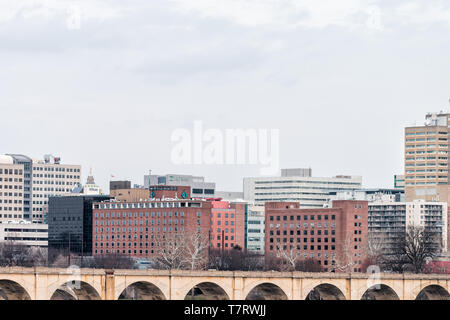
{"type": "Point", "coordinates": [105, 83]}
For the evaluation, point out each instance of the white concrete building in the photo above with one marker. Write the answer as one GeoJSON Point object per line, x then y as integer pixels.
{"type": "Point", "coordinates": [254, 229]}
{"type": "Point", "coordinates": [11, 189]}
{"type": "Point", "coordinates": [199, 188]}
{"type": "Point", "coordinates": [51, 178]}
{"type": "Point", "coordinates": [371, 195]}
{"type": "Point", "coordinates": [24, 232]}
{"type": "Point", "coordinates": [230, 195]}
{"type": "Point", "coordinates": [389, 220]}
{"type": "Point", "coordinates": [311, 192]}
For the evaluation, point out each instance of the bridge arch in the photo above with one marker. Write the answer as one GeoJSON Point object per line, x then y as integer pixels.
{"type": "Point", "coordinates": [380, 292]}
{"type": "Point", "coordinates": [206, 291]}
{"type": "Point", "coordinates": [142, 290]}
{"type": "Point", "coordinates": [325, 291]}
{"type": "Point", "coordinates": [266, 291]}
{"type": "Point", "coordinates": [11, 290]}
{"type": "Point", "coordinates": [433, 292]}
{"type": "Point", "coordinates": [75, 290]}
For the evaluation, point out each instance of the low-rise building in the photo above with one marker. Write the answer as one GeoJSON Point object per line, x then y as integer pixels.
{"type": "Point", "coordinates": [142, 229]}
{"type": "Point", "coordinates": [388, 221]}
{"type": "Point", "coordinates": [25, 233]}
{"type": "Point", "coordinates": [335, 237]}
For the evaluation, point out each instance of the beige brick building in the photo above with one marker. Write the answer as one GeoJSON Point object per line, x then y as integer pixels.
{"type": "Point", "coordinates": [11, 189]}
{"type": "Point", "coordinates": [426, 159]}
{"type": "Point", "coordinates": [50, 178]}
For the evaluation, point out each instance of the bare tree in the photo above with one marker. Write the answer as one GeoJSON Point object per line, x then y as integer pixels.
{"type": "Point", "coordinates": [289, 256]}
{"type": "Point", "coordinates": [235, 259]}
{"type": "Point", "coordinates": [113, 261]}
{"type": "Point", "coordinates": [195, 251]}
{"type": "Point", "coordinates": [346, 260]}
{"type": "Point", "coordinates": [308, 265]}
{"type": "Point", "coordinates": [375, 250]}
{"type": "Point", "coordinates": [17, 254]}
{"type": "Point", "coordinates": [411, 251]}
{"type": "Point", "coordinates": [170, 251]}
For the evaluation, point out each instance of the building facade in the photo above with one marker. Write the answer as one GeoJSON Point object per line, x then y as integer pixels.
{"type": "Point", "coordinates": [230, 195]}
{"type": "Point", "coordinates": [399, 181]}
{"type": "Point", "coordinates": [33, 182]}
{"type": "Point", "coordinates": [311, 192]}
{"type": "Point", "coordinates": [50, 178]}
{"type": "Point", "coordinates": [335, 237]}
{"type": "Point", "coordinates": [11, 189]}
{"type": "Point", "coordinates": [70, 220]}
{"type": "Point", "coordinates": [25, 233]}
{"type": "Point", "coordinates": [199, 188]}
{"type": "Point", "coordinates": [143, 229]}
{"type": "Point", "coordinates": [426, 159]}
{"type": "Point", "coordinates": [255, 229]}
{"type": "Point", "coordinates": [388, 221]}
{"type": "Point", "coordinates": [227, 225]}
{"type": "Point", "coordinates": [130, 194]}
{"type": "Point", "coordinates": [371, 195]}
{"type": "Point", "coordinates": [27, 164]}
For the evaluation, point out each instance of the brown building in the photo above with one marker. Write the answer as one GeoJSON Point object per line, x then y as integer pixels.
{"type": "Point", "coordinates": [172, 192]}
{"type": "Point", "coordinates": [130, 195]}
{"type": "Point", "coordinates": [116, 185]}
{"type": "Point", "coordinates": [335, 237]}
{"type": "Point", "coordinates": [426, 159]}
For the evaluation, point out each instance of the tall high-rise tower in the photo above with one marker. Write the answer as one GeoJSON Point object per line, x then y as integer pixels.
{"type": "Point", "coordinates": [426, 159]}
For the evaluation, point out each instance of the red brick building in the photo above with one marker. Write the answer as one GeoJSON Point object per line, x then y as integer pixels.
{"type": "Point", "coordinates": [227, 225]}
{"type": "Point", "coordinates": [140, 228]}
{"type": "Point", "coordinates": [335, 237]}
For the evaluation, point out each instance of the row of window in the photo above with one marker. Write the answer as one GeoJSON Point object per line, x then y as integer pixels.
{"type": "Point", "coordinates": [141, 222]}
{"type": "Point", "coordinates": [11, 179]}
{"type": "Point", "coordinates": [305, 232]}
{"type": "Point", "coordinates": [298, 218]}
{"type": "Point", "coordinates": [305, 240]}
{"type": "Point", "coordinates": [10, 209]}
{"type": "Point", "coordinates": [141, 214]}
{"type": "Point", "coordinates": [11, 171]}
{"type": "Point", "coordinates": [152, 229]}
{"type": "Point", "coordinates": [11, 201]}
{"type": "Point", "coordinates": [8, 186]}
{"type": "Point", "coordinates": [305, 225]}
{"type": "Point", "coordinates": [158, 204]}
{"type": "Point", "coordinates": [226, 215]}
{"type": "Point", "coordinates": [58, 169]}
{"type": "Point", "coordinates": [305, 247]}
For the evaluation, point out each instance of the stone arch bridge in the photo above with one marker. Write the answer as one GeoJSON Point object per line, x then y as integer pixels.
{"type": "Point", "coordinates": [99, 284]}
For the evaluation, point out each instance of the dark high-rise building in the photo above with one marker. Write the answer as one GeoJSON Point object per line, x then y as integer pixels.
{"type": "Point", "coordinates": [117, 185]}
{"type": "Point", "coordinates": [70, 224]}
